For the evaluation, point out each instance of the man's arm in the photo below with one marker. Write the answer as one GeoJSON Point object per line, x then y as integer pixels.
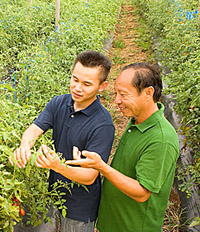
{"type": "Point", "coordinates": [125, 184]}
{"type": "Point", "coordinates": [23, 153]}
{"type": "Point", "coordinates": [48, 159]}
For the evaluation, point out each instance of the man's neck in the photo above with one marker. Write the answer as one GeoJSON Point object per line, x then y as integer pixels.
{"type": "Point", "coordinates": [150, 111]}
{"type": "Point", "coordinates": [81, 106]}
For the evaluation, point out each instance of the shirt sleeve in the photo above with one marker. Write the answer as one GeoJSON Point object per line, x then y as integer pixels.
{"type": "Point", "coordinates": [46, 117]}
{"type": "Point", "coordinates": [101, 140]}
{"type": "Point", "coordinates": [154, 165]}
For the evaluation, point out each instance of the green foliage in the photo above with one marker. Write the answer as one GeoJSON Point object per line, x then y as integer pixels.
{"type": "Point", "coordinates": [31, 48]}
{"type": "Point", "coordinates": [29, 185]}
{"type": "Point", "coordinates": [118, 43]}
{"type": "Point", "coordinates": [175, 27]}
{"type": "Point", "coordinates": [117, 59]}
{"type": "Point", "coordinates": [195, 222]}
{"type": "Point", "coordinates": [35, 65]}
{"type": "Point", "coordinates": [144, 40]}
{"type": "Point", "coordinates": [186, 184]}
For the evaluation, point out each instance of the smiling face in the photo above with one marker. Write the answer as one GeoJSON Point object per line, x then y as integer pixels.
{"type": "Point", "coordinates": [85, 84]}
{"type": "Point", "coordinates": [130, 101]}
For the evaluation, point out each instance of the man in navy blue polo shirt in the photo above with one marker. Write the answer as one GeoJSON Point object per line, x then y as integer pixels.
{"type": "Point", "coordinates": [77, 119]}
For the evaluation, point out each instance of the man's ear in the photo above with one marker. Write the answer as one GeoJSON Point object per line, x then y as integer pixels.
{"type": "Point", "coordinates": [103, 86]}
{"type": "Point", "coordinates": [149, 91]}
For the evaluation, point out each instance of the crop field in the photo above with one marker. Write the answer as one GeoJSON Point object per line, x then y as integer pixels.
{"type": "Point", "coordinates": [39, 41]}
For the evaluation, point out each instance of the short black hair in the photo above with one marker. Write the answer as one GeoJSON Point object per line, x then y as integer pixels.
{"type": "Point", "coordinates": [92, 59]}
{"type": "Point", "coordinates": [146, 75]}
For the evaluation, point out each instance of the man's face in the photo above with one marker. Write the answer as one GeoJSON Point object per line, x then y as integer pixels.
{"type": "Point", "coordinates": [85, 84]}
{"type": "Point", "coordinates": [130, 102]}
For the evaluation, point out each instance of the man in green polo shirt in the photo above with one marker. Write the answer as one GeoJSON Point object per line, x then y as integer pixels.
{"type": "Point", "coordinates": [137, 184]}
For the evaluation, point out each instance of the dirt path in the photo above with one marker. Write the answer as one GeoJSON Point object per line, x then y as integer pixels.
{"type": "Point", "coordinates": [128, 47]}
{"type": "Point", "coordinates": [125, 50]}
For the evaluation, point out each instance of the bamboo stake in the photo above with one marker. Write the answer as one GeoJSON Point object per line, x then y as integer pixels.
{"type": "Point", "coordinates": [30, 3]}
{"type": "Point", "coordinates": [199, 7]}
{"type": "Point", "coordinates": [57, 14]}
{"type": "Point", "coordinates": [199, 11]}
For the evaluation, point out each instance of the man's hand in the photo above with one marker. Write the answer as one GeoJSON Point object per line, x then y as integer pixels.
{"type": "Point", "coordinates": [125, 184]}
{"type": "Point", "coordinates": [93, 160]}
{"type": "Point", "coordinates": [21, 155]}
{"type": "Point", "coordinates": [47, 158]}
{"type": "Point", "coordinates": [76, 153]}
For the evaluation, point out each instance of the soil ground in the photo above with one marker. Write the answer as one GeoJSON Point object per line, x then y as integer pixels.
{"type": "Point", "coordinates": [126, 48]}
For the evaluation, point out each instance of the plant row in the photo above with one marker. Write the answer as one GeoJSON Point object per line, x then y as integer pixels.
{"type": "Point", "coordinates": [174, 27]}
{"type": "Point", "coordinates": [35, 65]}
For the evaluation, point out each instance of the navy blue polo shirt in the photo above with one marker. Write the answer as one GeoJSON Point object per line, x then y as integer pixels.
{"type": "Point", "coordinates": [88, 129]}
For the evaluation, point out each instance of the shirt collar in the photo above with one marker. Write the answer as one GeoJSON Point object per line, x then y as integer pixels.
{"type": "Point", "coordinates": [88, 111]}
{"type": "Point", "coordinates": [152, 120]}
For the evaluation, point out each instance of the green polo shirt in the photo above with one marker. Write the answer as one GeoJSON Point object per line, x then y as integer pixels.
{"type": "Point", "coordinates": [148, 153]}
